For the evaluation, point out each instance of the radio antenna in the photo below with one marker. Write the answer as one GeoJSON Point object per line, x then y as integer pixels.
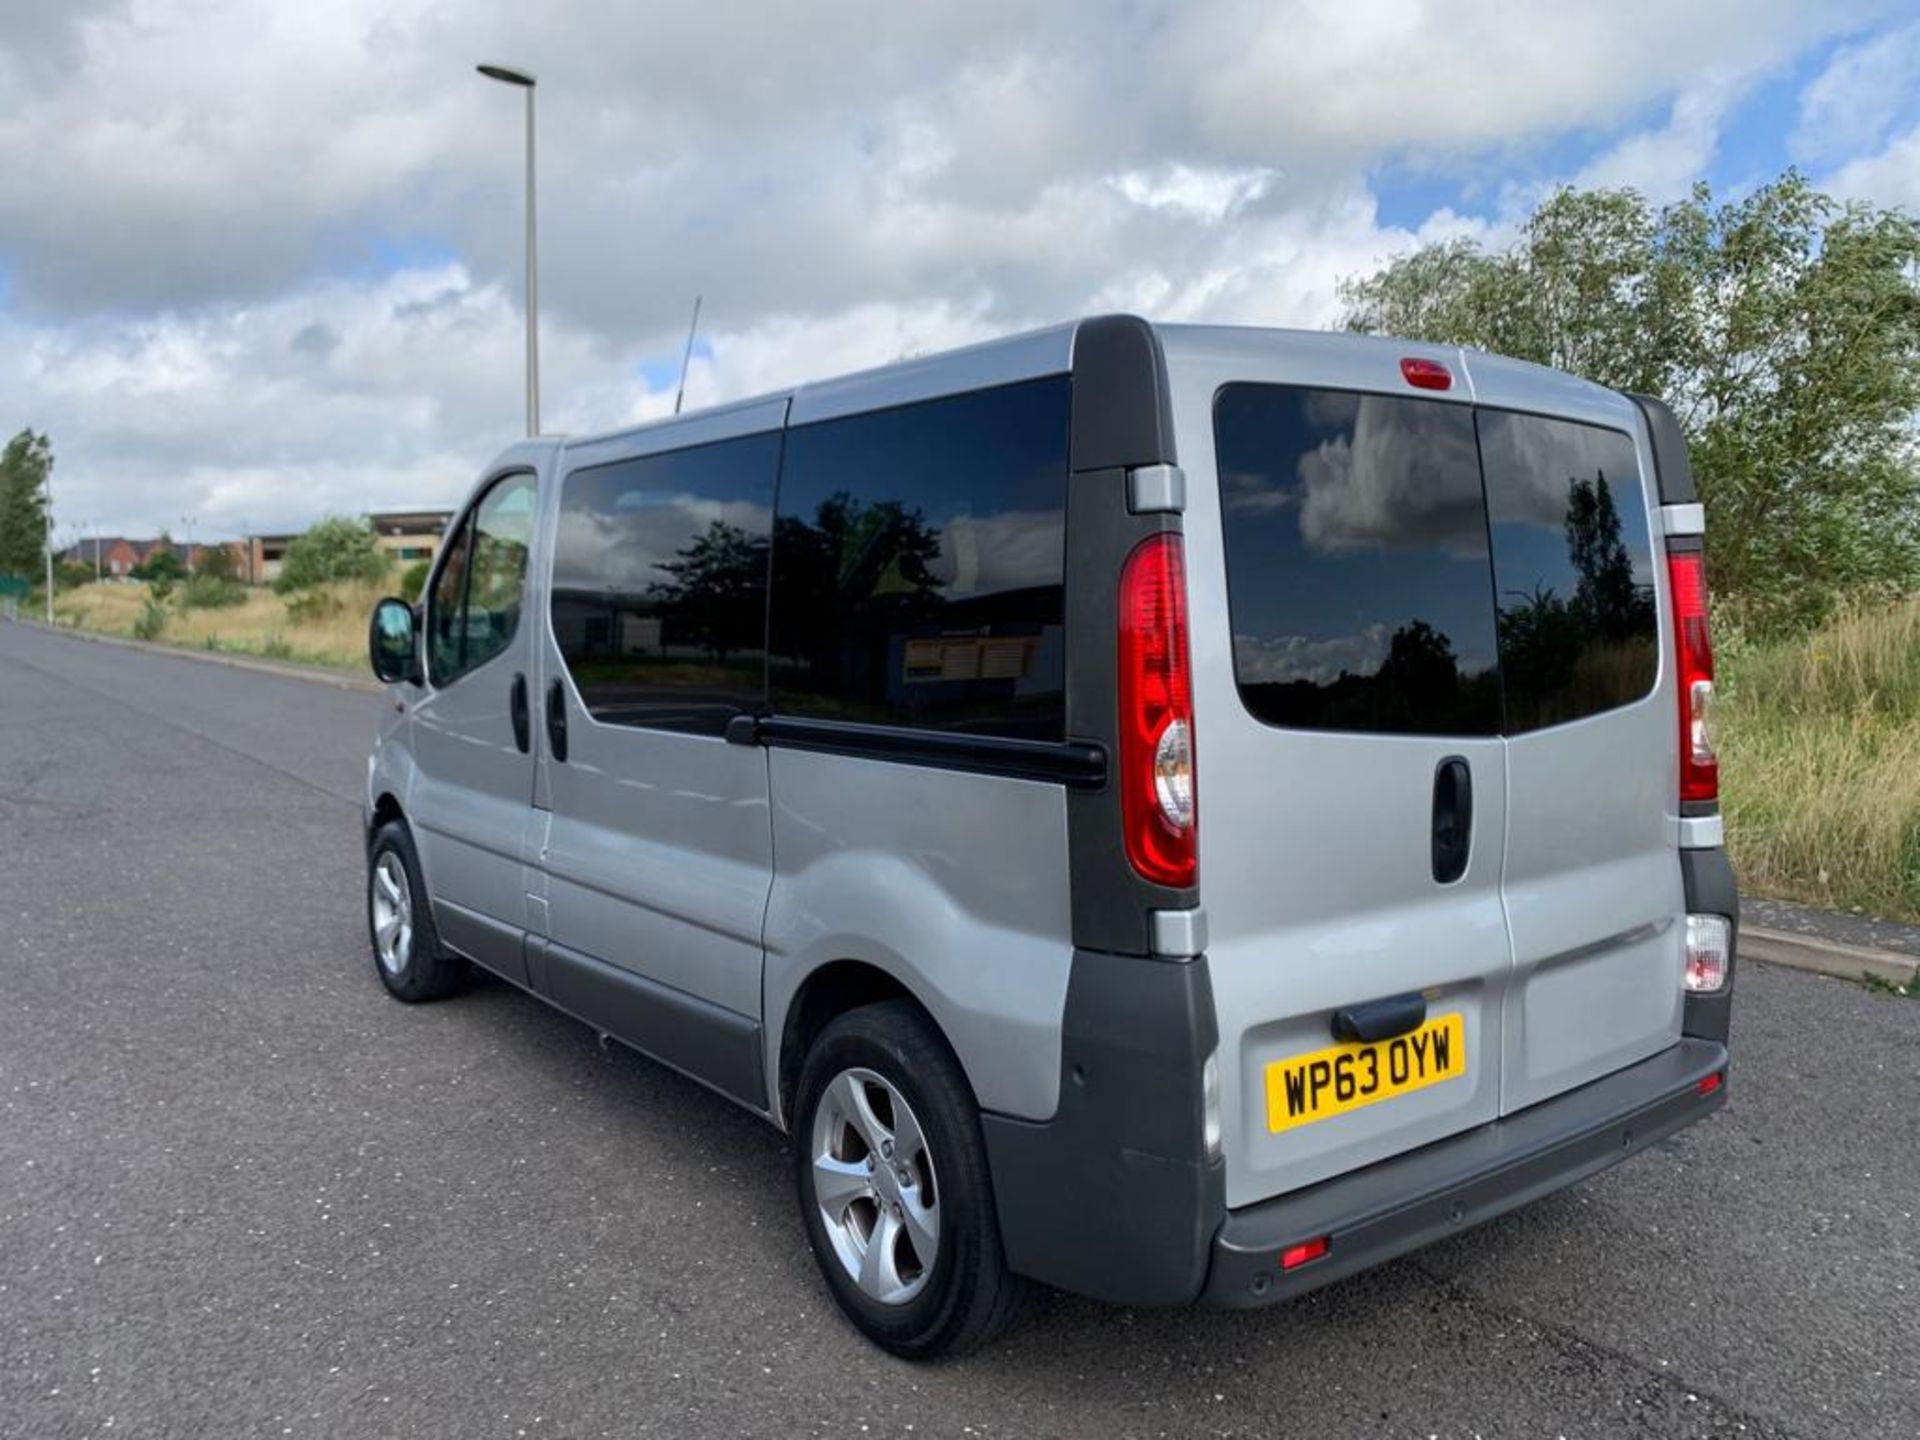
{"type": "Point", "coordinates": [687, 358]}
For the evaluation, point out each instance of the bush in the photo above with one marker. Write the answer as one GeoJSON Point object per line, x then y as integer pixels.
{"type": "Point", "coordinates": [413, 580]}
{"type": "Point", "coordinates": [335, 549]}
{"type": "Point", "coordinates": [217, 563]}
{"type": "Point", "coordinates": [1819, 740]}
{"type": "Point", "coordinates": [314, 606]}
{"type": "Point", "coordinates": [276, 648]}
{"type": "Point", "coordinates": [210, 592]}
{"type": "Point", "coordinates": [151, 620]}
{"type": "Point", "coordinates": [160, 587]}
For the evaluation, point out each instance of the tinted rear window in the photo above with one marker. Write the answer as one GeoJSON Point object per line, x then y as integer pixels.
{"type": "Point", "coordinates": [1573, 566]}
{"type": "Point", "coordinates": [918, 561]}
{"type": "Point", "coordinates": [1357, 572]}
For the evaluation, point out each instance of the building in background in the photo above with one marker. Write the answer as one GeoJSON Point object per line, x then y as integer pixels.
{"type": "Point", "coordinates": [115, 557]}
{"type": "Point", "coordinates": [265, 555]}
{"type": "Point", "coordinates": [409, 535]}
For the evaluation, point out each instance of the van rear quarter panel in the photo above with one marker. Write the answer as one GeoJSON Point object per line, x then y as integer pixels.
{"type": "Point", "coordinates": [955, 884]}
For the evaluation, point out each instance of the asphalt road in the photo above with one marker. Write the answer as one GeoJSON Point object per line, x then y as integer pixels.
{"type": "Point", "coordinates": [243, 1193]}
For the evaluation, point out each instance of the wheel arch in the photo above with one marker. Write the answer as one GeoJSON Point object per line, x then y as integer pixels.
{"type": "Point", "coordinates": [828, 991]}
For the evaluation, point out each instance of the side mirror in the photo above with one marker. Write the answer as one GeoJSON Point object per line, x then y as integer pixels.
{"type": "Point", "coordinates": [392, 645]}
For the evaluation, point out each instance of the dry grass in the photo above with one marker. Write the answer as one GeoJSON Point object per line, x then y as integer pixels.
{"type": "Point", "coordinates": [1819, 742]}
{"type": "Point", "coordinates": [328, 628]}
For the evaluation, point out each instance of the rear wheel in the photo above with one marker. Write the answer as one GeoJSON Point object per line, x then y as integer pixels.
{"type": "Point", "coordinates": [894, 1191]}
{"type": "Point", "coordinates": [406, 948]}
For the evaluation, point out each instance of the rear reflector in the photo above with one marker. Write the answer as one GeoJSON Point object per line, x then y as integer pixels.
{"type": "Point", "coordinates": [1294, 1256]}
{"type": "Point", "coordinates": [1426, 374]}
{"type": "Point", "coordinates": [1693, 652]}
{"type": "Point", "coordinates": [1711, 1083]}
{"type": "Point", "coordinates": [1709, 952]}
{"type": "Point", "coordinates": [1157, 799]}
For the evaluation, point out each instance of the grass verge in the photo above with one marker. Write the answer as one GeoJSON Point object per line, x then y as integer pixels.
{"type": "Point", "coordinates": [1819, 737]}
{"type": "Point", "coordinates": [326, 627]}
{"type": "Point", "coordinates": [1819, 742]}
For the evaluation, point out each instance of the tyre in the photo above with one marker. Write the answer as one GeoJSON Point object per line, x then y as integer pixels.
{"type": "Point", "coordinates": [894, 1191]}
{"type": "Point", "coordinates": [407, 954]}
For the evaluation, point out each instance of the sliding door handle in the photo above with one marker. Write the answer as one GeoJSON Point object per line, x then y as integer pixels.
{"type": "Point", "coordinates": [522, 722]}
{"type": "Point", "coordinates": [557, 722]}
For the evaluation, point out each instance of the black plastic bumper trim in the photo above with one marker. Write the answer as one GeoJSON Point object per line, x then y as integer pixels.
{"type": "Point", "coordinates": [1385, 1210]}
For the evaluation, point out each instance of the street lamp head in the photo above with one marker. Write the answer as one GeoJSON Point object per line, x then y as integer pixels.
{"type": "Point", "coordinates": [507, 75]}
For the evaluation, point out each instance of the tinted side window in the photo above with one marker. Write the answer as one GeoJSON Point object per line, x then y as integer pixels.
{"type": "Point", "coordinates": [660, 584]}
{"type": "Point", "coordinates": [918, 563]}
{"type": "Point", "coordinates": [1574, 567]}
{"type": "Point", "coordinates": [1357, 574]}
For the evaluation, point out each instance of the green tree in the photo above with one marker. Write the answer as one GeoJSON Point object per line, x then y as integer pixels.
{"type": "Point", "coordinates": [1783, 329]}
{"type": "Point", "coordinates": [162, 567]}
{"type": "Point", "coordinates": [216, 562]}
{"type": "Point", "coordinates": [24, 466]}
{"type": "Point", "coordinates": [335, 549]}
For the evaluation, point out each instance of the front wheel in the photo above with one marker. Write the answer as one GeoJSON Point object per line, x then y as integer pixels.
{"type": "Point", "coordinates": [893, 1186]}
{"type": "Point", "coordinates": [406, 948]}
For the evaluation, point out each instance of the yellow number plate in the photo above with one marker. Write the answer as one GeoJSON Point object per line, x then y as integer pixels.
{"type": "Point", "coordinates": [1305, 1088]}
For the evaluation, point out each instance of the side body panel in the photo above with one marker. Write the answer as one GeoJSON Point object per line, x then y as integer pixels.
{"type": "Point", "coordinates": [659, 852]}
{"type": "Point", "coordinates": [1593, 890]}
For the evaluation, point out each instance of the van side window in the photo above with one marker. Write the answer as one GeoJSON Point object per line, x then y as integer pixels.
{"type": "Point", "coordinates": [475, 606]}
{"type": "Point", "coordinates": [660, 584]}
{"type": "Point", "coordinates": [918, 565]}
{"type": "Point", "coordinates": [1573, 565]}
{"type": "Point", "coordinates": [1358, 582]}
{"type": "Point", "coordinates": [444, 605]}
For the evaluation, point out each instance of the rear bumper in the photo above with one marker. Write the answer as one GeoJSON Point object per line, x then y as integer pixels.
{"type": "Point", "coordinates": [1398, 1205]}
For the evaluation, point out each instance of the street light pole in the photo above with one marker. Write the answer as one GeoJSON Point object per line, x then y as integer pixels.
{"type": "Point", "coordinates": [48, 517]}
{"type": "Point", "coordinates": [526, 81]}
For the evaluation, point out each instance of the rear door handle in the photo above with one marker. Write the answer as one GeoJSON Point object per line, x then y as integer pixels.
{"type": "Point", "coordinates": [557, 722]}
{"type": "Point", "coordinates": [517, 707]}
{"type": "Point", "coordinates": [1452, 819]}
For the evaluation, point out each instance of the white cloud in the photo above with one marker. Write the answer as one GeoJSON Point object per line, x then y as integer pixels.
{"type": "Point", "coordinates": [1663, 163]}
{"type": "Point", "coordinates": [1850, 105]}
{"type": "Point", "coordinates": [1891, 178]}
{"type": "Point", "coordinates": [261, 259]}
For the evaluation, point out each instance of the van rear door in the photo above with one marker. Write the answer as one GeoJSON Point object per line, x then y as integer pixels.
{"type": "Point", "coordinates": [1592, 886]}
{"type": "Point", "coordinates": [1352, 778]}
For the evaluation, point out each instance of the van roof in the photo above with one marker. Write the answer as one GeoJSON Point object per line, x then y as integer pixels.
{"type": "Point", "coordinates": [1030, 355]}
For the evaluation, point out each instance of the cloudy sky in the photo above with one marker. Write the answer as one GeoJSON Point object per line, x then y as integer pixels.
{"type": "Point", "coordinates": [259, 259]}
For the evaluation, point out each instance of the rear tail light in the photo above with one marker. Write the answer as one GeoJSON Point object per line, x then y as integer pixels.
{"type": "Point", "coordinates": [1699, 769]}
{"type": "Point", "coordinates": [1710, 1084]}
{"type": "Point", "coordinates": [1709, 952]}
{"type": "Point", "coordinates": [1157, 798]}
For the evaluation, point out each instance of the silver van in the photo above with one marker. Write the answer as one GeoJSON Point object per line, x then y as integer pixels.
{"type": "Point", "coordinates": [1179, 814]}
